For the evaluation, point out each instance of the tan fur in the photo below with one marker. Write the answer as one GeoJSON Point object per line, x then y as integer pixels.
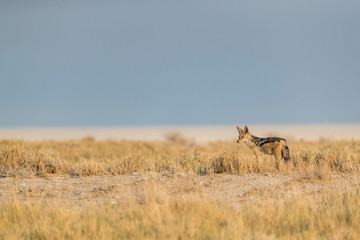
{"type": "Point", "coordinates": [272, 145]}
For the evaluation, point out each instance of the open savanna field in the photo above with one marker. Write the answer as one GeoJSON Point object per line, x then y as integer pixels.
{"type": "Point", "coordinates": [177, 189]}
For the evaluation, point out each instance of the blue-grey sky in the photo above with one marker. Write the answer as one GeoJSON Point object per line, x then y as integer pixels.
{"type": "Point", "coordinates": [121, 63]}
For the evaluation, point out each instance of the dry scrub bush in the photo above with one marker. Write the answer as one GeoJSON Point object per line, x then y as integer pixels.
{"type": "Point", "coordinates": [176, 138]}
{"type": "Point", "coordinates": [233, 161]}
{"type": "Point", "coordinates": [322, 159]}
{"type": "Point", "coordinates": [17, 161]}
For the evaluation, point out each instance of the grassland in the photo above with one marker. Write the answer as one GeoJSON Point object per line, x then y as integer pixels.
{"type": "Point", "coordinates": [89, 157]}
{"type": "Point", "coordinates": [177, 190]}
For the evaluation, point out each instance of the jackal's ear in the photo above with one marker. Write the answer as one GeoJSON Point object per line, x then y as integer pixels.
{"type": "Point", "coordinates": [246, 130]}
{"type": "Point", "coordinates": [239, 129]}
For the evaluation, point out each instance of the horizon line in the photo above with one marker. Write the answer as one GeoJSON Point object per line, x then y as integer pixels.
{"type": "Point", "coordinates": [177, 125]}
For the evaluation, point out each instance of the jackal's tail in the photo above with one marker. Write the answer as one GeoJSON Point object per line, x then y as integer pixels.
{"type": "Point", "coordinates": [286, 153]}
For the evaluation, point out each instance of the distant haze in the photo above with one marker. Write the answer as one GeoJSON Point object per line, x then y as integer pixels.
{"type": "Point", "coordinates": [144, 63]}
{"type": "Point", "coordinates": [198, 134]}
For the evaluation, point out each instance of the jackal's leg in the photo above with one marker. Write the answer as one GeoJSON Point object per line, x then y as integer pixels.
{"type": "Point", "coordinates": [278, 154]}
{"type": "Point", "coordinates": [257, 154]}
{"type": "Point", "coordinates": [278, 157]}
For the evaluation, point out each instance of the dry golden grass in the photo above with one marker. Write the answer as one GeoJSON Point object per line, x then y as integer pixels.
{"type": "Point", "coordinates": [333, 215]}
{"type": "Point", "coordinates": [89, 157]}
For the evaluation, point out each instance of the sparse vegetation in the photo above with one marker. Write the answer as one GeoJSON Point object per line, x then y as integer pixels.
{"type": "Point", "coordinates": [334, 216]}
{"type": "Point", "coordinates": [331, 215]}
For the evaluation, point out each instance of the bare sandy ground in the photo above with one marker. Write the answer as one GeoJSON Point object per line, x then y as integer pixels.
{"type": "Point", "coordinates": [199, 134]}
{"type": "Point", "coordinates": [232, 190]}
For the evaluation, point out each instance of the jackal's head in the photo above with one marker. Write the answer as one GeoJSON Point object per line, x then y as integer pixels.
{"type": "Point", "coordinates": [244, 135]}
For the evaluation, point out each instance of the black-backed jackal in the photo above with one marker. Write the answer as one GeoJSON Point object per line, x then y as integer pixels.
{"type": "Point", "coordinates": [271, 145]}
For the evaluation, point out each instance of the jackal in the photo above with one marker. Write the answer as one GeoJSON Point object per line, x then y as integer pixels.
{"type": "Point", "coordinates": [271, 145]}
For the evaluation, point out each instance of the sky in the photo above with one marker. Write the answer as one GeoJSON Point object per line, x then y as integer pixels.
{"type": "Point", "coordinates": [191, 62]}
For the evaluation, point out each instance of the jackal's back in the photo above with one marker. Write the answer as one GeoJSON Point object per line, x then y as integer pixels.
{"type": "Point", "coordinates": [261, 141]}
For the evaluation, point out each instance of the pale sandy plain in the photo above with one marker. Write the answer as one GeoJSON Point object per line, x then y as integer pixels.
{"type": "Point", "coordinates": [199, 134]}
{"type": "Point", "coordinates": [232, 190]}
